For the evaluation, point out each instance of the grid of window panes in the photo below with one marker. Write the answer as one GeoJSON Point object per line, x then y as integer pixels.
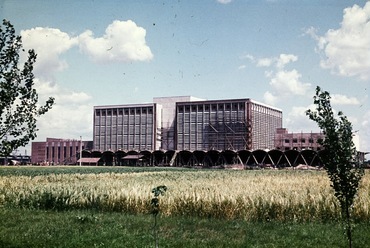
{"type": "Point", "coordinates": [298, 141]}
{"type": "Point", "coordinates": [211, 125]}
{"type": "Point", "coordinates": [265, 121]}
{"type": "Point", "coordinates": [126, 128]}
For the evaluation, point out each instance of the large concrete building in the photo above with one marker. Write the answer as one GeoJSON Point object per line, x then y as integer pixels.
{"type": "Point", "coordinates": [226, 125]}
{"type": "Point", "coordinates": [127, 127]}
{"type": "Point", "coordinates": [140, 127]}
{"type": "Point", "coordinates": [186, 123]}
{"type": "Point", "coordinates": [186, 131]}
{"type": "Point", "coordinates": [167, 133]}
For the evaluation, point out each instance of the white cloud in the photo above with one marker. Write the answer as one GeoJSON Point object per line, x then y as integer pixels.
{"type": "Point", "coordinates": [71, 114]}
{"type": "Point", "coordinates": [338, 99]}
{"type": "Point", "coordinates": [64, 121]}
{"type": "Point", "coordinates": [265, 62]}
{"type": "Point", "coordinates": [364, 133]}
{"type": "Point", "coordinates": [284, 83]}
{"type": "Point", "coordinates": [279, 62]}
{"type": "Point", "coordinates": [269, 98]}
{"type": "Point", "coordinates": [298, 121]}
{"type": "Point", "coordinates": [49, 44]}
{"type": "Point", "coordinates": [224, 1]}
{"type": "Point", "coordinates": [289, 83]}
{"type": "Point", "coordinates": [285, 59]}
{"type": "Point", "coordinates": [311, 31]}
{"type": "Point", "coordinates": [69, 117]}
{"type": "Point", "coordinates": [347, 50]}
{"type": "Point", "coordinates": [248, 56]}
{"type": "Point", "coordinates": [62, 95]}
{"type": "Point", "coordinates": [299, 112]}
{"type": "Point", "coordinates": [241, 67]}
{"type": "Point", "coordinates": [269, 74]}
{"type": "Point", "coordinates": [123, 41]}
{"type": "Point", "coordinates": [366, 121]}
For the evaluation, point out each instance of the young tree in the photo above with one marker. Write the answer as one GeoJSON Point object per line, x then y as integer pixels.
{"type": "Point", "coordinates": [18, 106]}
{"type": "Point", "coordinates": [157, 191]}
{"type": "Point", "coordinates": [340, 156]}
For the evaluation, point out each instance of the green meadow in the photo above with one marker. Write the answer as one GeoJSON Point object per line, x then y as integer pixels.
{"type": "Point", "coordinates": [110, 207]}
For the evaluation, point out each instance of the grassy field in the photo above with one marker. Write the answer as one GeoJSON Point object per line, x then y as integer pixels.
{"type": "Point", "coordinates": [66, 229]}
{"type": "Point", "coordinates": [201, 208]}
{"type": "Point", "coordinates": [226, 194]}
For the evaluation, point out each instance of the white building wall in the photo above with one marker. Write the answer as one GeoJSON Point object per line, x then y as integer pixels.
{"type": "Point", "coordinates": [168, 116]}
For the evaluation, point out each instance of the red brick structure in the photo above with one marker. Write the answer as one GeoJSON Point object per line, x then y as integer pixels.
{"type": "Point", "coordinates": [297, 141]}
{"type": "Point", "coordinates": [58, 151]}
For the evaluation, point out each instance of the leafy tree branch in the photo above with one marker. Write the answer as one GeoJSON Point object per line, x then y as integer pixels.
{"type": "Point", "coordinates": [19, 106]}
{"type": "Point", "coordinates": [340, 158]}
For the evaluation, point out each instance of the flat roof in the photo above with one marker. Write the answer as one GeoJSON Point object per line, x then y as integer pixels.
{"type": "Point", "coordinates": [125, 106]}
{"type": "Point", "coordinates": [230, 101]}
{"type": "Point", "coordinates": [192, 100]}
{"type": "Point", "coordinates": [216, 101]}
{"type": "Point", "coordinates": [133, 157]}
{"type": "Point", "coordinates": [266, 105]}
{"type": "Point", "coordinates": [88, 160]}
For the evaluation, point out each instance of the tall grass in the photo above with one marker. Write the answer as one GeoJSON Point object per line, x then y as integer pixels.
{"type": "Point", "coordinates": [249, 195]}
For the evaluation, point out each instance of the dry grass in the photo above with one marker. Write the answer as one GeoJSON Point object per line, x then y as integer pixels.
{"type": "Point", "coordinates": [249, 195]}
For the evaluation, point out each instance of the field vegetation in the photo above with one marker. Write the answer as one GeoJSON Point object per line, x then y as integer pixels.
{"type": "Point", "coordinates": [298, 196]}
{"type": "Point", "coordinates": [89, 228]}
{"type": "Point", "coordinates": [110, 207]}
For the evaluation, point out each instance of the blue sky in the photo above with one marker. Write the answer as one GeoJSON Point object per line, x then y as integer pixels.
{"type": "Point", "coordinates": [117, 52]}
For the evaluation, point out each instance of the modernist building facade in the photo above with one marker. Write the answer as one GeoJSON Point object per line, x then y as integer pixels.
{"type": "Point", "coordinates": [186, 123]}
{"type": "Point", "coordinates": [127, 127]}
{"type": "Point", "coordinates": [226, 125]}
{"type": "Point", "coordinates": [58, 151]}
{"type": "Point", "coordinates": [297, 141]}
